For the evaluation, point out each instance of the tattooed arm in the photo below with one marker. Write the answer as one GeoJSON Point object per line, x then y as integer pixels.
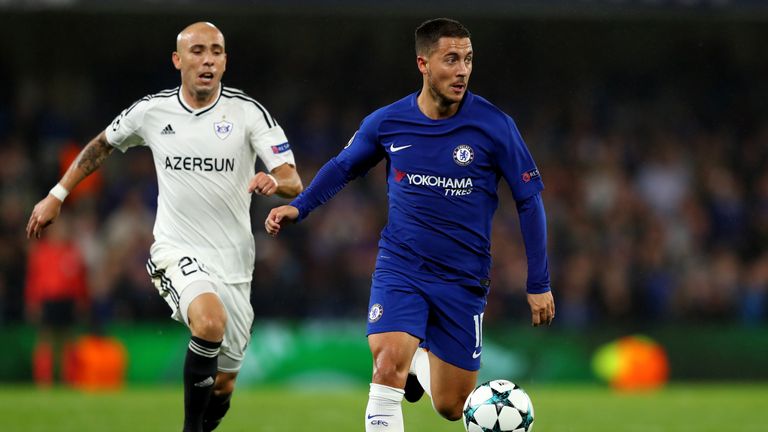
{"type": "Point", "coordinates": [90, 158]}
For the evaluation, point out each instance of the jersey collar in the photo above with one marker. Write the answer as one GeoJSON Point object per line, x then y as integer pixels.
{"type": "Point", "coordinates": [198, 111]}
{"type": "Point", "coordinates": [465, 101]}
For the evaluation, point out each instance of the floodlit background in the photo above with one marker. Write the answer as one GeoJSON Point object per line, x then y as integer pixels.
{"type": "Point", "coordinates": [648, 121]}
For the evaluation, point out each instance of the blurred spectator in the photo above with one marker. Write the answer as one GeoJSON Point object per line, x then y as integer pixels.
{"type": "Point", "coordinates": [55, 296]}
{"type": "Point", "coordinates": [16, 176]}
{"type": "Point", "coordinates": [124, 288]}
{"type": "Point", "coordinates": [754, 301]}
{"type": "Point", "coordinates": [664, 177]}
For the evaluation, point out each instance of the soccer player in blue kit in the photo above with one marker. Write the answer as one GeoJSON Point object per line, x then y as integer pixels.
{"type": "Point", "coordinates": [446, 150]}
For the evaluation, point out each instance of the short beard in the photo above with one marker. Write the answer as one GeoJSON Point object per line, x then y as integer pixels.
{"type": "Point", "coordinates": [442, 100]}
{"type": "Point", "coordinates": [203, 95]}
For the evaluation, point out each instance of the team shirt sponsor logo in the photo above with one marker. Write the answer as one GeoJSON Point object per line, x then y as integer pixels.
{"type": "Point", "coordinates": [187, 163]}
{"type": "Point", "coordinates": [452, 186]}
{"type": "Point", "coordinates": [463, 155]}
{"type": "Point", "coordinates": [222, 129]}
{"type": "Point", "coordinates": [375, 313]}
{"type": "Point", "coordinates": [530, 175]}
{"type": "Point", "coordinates": [282, 148]}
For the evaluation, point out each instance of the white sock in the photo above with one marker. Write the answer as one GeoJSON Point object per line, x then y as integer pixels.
{"type": "Point", "coordinates": [385, 409]}
{"type": "Point", "coordinates": [420, 366]}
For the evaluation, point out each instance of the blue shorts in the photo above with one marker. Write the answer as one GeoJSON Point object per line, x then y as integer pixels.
{"type": "Point", "coordinates": [447, 318]}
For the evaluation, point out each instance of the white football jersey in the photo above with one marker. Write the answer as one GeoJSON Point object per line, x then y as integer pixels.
{"type": "Point", "coordinates": [204, 159]}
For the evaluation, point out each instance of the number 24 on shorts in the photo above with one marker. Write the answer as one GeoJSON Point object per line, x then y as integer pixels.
{"type": "Point", "coordinates": [189, 266]}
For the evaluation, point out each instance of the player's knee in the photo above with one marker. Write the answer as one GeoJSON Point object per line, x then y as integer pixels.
{"type": "Point", "coordinates": [389, 375]}
{"type": "Point", "coordinates": [207, 316]}
{"type": "Point", "coordinates": [209, 326]}
{"type": "Point", "coordinates": [389, 371]}
{"type": "Point", "coordinates": [450, 410]}
{"type": "Point", "coordinates": [450, 406]}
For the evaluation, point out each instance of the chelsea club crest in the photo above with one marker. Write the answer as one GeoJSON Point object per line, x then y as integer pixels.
{"type": "Point", "coordinates": [375, 313]}
{"type": "Point", "coordinates": [463, 155]}
{"type": "Point", "coordinates": [222, 129]}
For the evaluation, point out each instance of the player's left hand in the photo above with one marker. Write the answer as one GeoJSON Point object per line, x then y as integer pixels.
{"type": "Point", "coordinates": [263, 184]}
{"type": "Point", "coordinates": [542, 308]}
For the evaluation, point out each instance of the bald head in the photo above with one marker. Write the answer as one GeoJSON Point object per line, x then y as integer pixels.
{"type": "Point", "coordinates": [192, 31]}
{"type": "Point", "coordinates": [202, 60]}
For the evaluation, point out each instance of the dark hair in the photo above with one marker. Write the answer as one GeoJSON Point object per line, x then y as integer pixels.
{"type": "Point", "coordinates": [429, 32]}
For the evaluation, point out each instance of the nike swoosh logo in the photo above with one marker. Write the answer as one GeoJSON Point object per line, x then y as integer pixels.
{"type": "Point", "coordinates": [476, 354]}
{"type": "Point", "coordinates": [393, 149]}
{"type": "Point", "coordinates": [378, 415]}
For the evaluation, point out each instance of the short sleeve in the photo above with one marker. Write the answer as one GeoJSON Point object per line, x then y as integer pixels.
{"type": "Point", "coordinates": [267, 138]}
{"type": "Point", "coordinates": [272, 147]}
{"type": "Point", "coordinates": [124, 131]}
{"type": "Point", "coordinates": [517, 165]}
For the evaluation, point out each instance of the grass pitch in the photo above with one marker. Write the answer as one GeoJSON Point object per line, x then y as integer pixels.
{"type": "Point", "coordinates": [684, 408]}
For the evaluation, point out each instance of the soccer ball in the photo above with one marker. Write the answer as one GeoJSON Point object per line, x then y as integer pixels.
{"type": "Point", "coordinates": [498, 406]}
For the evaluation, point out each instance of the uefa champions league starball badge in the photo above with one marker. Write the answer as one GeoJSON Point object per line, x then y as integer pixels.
{"type": "Point", "coordinates": [463, 155]}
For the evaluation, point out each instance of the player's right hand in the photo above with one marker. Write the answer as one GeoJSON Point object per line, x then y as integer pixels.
{"type": "Point", "coordinates": [542, 308]}
{"type": "Point", "coordinates": [278, 217]}
{"type": "Point", "coordinates": [44, 213]}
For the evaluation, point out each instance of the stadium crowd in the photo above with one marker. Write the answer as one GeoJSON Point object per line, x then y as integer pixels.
{"type": "Point", "coordinates": [656, 192]}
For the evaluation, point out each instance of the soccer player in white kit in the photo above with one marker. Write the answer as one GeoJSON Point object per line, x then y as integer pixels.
{"type": "Point", "coordinates": [205, 139]}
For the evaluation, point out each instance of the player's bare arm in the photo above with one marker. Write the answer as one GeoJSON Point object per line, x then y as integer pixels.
{"type": "Point", "coordinates": [283, 181]}
{"type": "Point", "coordinates": [278, 217]}
{"type": "Point", "coordinates": [89, 160]}
{"type": "Point", "coordinates": [542, 308]}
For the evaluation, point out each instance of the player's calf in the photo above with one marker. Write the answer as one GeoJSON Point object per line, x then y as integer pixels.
{"type": "Point", "coordinates": [219, 403]}
{"type": "Point", "coordinates": [384, 412]}
{"type": "Point", "coordinates": [200, 368]}
{"type": "Point", "coordinates": [217, 408]}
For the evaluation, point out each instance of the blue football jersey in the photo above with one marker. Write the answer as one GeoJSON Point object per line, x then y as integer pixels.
{"type": "Point", "coordinates": [442, 178]}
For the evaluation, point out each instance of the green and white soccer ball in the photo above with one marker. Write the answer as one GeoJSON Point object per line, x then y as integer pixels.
{"type": "Point", "coordinates": [498, 406]}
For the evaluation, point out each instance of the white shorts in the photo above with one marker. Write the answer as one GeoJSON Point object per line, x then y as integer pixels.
{"type": "Point", "coordinates": [175, 273]}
